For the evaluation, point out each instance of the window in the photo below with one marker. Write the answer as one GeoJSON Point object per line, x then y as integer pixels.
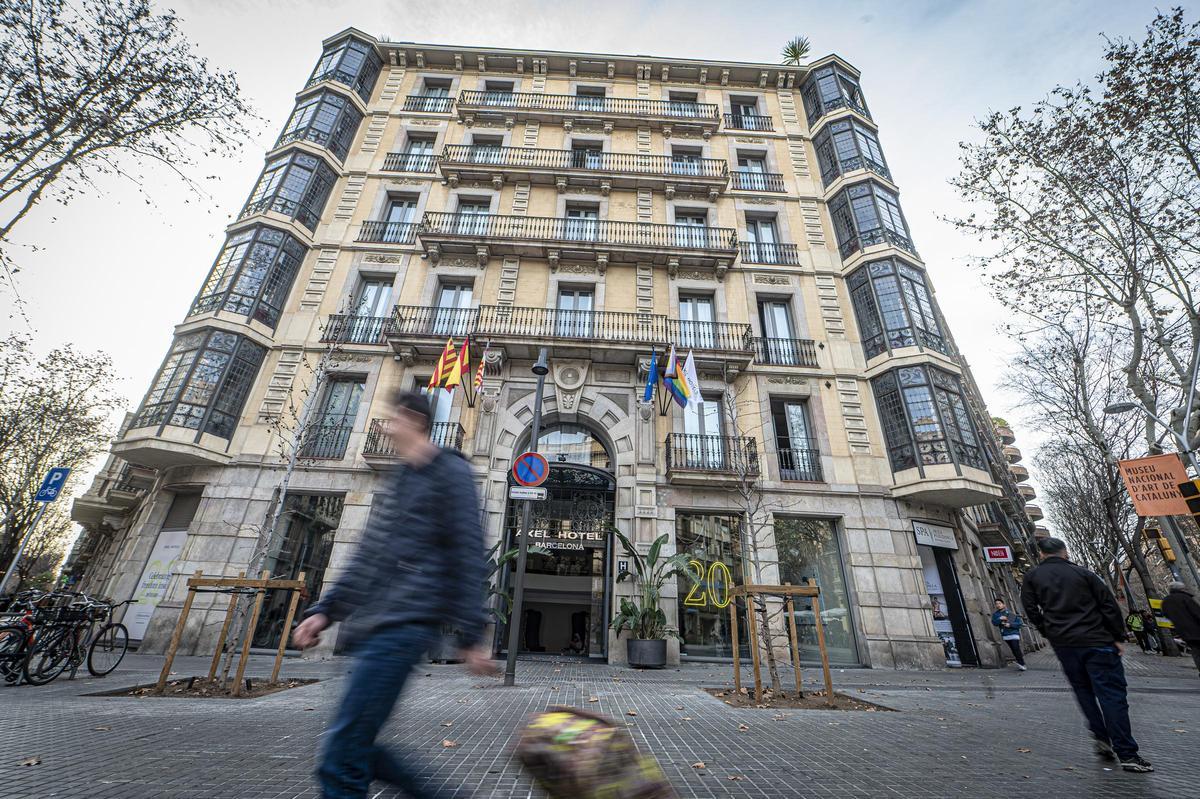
{"type": "Point", "coordinates": [328, 435]}
{"type": "Point", "coordinates": [296, 185]}
{"type": "Point", "coordinates": [350, 62]}
{"type": "Point", "coordinates": [866, 214]}
{"type": "Point", "coordinates": [498, 92]}
{"type": "Point", "coordinates": [780, 345]}
{"type": "Point", "coordinates": [752, 173]}
{"type": "Point", "coordinates": [696, 321]}
{"type": "Point", "coordinates": [847, 145]}
{"type": "Point", "coordinates": [441, 405]}
{"type": "Point", "coordinates": [573, 443]}
{"type": "Point", "coordinates": [471, 219]}
{"type": "Point", "coordinates": [703, 438]}
{"type": "Point", "coordinates": [809, 550]}
{"type": "Point", "coordinates": [434, 97]}
{"type": "Point", "coordinates": [203, 383]}
{"type": "Point", "coordinates": [713, 544]}
{"type": "Point", "coordinates": [683, 104]}
{"type": "Point", "coordinates": [373, 297]}
{"type": "Point", "coordinates": [925, 419]}
{"type": "Point", "coordinates": [326, 119]}
{"type": "Point", "coordinates": [583, 222]}
{"type": "Point", "coordinates": [589, 98]}
{"type": "Point", "coordinates": [418, 154]}
{"type": "Point", "coordinates": [587, 154]}
{"type": "Point", "coordinates": [831, 88]}
{"type": "Point", "coordinates": [399, 219]}
{"type": "Point", "coordinates": [743, 107]}
{"type": "Point", "coordinates": [436, 87]}
{"type": "Point", "coordinates": [366, 323]}
{"type": "Point", "coordinates": [691, 228]}
{"type": "Point", "coordinates": [762, 240]}
{"type": "Point", "coordinates": [799, 458]}
{"type": "Point", "coordinates": [252, 276]}
{"type": "Point", "coordinates": [486, 149]}
{"type": "Point", "coordinates": [573, 316]}
{"type": "Point", "coordinates": [453, 317]}
{"type": "Point", "coordinates": [685, 160]}
{"type": "Point", "coordinates": [894, 308]}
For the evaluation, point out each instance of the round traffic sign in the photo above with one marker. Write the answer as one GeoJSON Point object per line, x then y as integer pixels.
{"type": "Point", "coordinates": [530, 469]}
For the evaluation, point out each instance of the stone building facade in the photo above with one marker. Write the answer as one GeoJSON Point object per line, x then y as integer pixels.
{"type": "Point", "coordinates": [605, 207]}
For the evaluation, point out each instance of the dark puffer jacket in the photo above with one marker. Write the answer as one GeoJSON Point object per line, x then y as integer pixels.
{"type": "Point", "coordinates": [1181, 608]}
{"type": "Point", "coordinates": [421, 558]}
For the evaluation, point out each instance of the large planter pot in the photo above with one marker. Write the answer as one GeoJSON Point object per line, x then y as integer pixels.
{"type": "Point", "coordinates": [647, 653]}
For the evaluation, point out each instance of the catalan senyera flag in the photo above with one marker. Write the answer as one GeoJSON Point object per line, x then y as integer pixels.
{"type": "Point", "coordinates": [479, 369]}
{"type": "Point", "coordinates": [674, 381]}
{"type": "Point", "coordinates": [443, 370]}
{"type": "Point", "coordinates": [462, 365]}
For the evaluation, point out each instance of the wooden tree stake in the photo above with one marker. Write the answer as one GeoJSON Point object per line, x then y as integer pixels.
{"type": "Point", "coordinates": [752, 624]}
{"type": "Point", "coordinates": [241, 669]}
{"type": "Point", "coordinates": [287, 630]}
{"type": "Point", "coordinates": [216, 660]}
{"type": "Point", "coordinates": [733, 637]}
{"type": "Point", "coordinates": [816, 603]}
{"type": "Point", "coordinates": [174, 645]}
{"type": "Point", "coordinates": [791, 612]}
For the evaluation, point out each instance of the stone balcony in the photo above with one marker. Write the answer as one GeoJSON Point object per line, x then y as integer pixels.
{"type": "Point", "coordinates": [570, 110]}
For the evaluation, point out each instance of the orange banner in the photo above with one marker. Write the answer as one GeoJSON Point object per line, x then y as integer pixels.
{"type": "Point", "coordinates": [1153, 484]}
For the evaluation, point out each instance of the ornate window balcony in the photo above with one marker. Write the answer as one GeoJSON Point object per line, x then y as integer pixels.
{"type": "Point", "coordinates": [326, 119]}
{"type": "Point", "coordinates": [749, 122]}
{"type": "Point", "coordinates": [409, 162]}
{"type": "Point", "coordinates": [769, 252]}
{"type": "Point", "coordinates": [829, 89]}
{"type": "Point", "coordinates": [745, 180]}
{"type": "Point", "coordinates": [626, 112]}
{"type": "Point", "coordinates": [800, 462]}
{"type": "Point", "coordinates": [785, 352]}
{"type": "Point", "coordinates": [354, 329]}
{"type": "Point", "coordinates": [895, 308]}
{"type": "Point", "coordinates": [326, 439]}
{"type": "Point", "coordinates": [557, 239]}
{"type": "Point", "coordinates": [350, 62]}
{"type": "Point", "coordinates": [253, 275]}
{"type": "Point", "coordinates": [380, 231]}
{"type": "Point", "coordinates": [846, 146]}
{"type": "Point", "coordinates": [428, 104]}
{"type": "Point", "coordinates": [563, 168]}
{"type": "Point", "coordinates": [296, 185]}
{"type": "Point", "coordinates": [706, 460]}
{"type": "Point", "coordinates": [866, 214]}
{"type": "Point", "coordinates": [379, 452]}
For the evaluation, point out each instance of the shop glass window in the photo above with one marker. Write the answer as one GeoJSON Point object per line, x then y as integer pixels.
{"type": "Point", "coordinates": [326, 119]}
{"type": "Point", "coordinates": [809, 549]}
{"type": "Point", "coordinates": [712, 542]}
{"type": "Point", "coordinates": [926, 420]}
{"type": "Point", "coordinates": [352, 63]}
{"type": "Point", "coordinates": [296, 185]}
{"type": "Point", "coordinates": [252, 276]}
{"type": "Point", "coordinates": [866, 214]}
{"type": "Point", "coordinates": [894, 308]}
{"type": "Point", "coordinates": [847, 145]}
{"type": "Point", "coordinates": [203, 383]}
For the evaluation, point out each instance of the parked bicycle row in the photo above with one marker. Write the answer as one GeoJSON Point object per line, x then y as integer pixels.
{"type": "Point", "coordinates": [43, 634]}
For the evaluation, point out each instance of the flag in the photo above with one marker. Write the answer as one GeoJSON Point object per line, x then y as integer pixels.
{"type": "Point", "coordinates": [691, 380]}
{"type": "Point", "coordinates": [482, 362]}
{"type": "Point", "coordinates": [442, 369]}
{"type": "Point", "coordinates": [651, 377]}
{"type": "Point", "coordinates": [461, 365]}
{"type": "Point", "coordinates": [673, 381]}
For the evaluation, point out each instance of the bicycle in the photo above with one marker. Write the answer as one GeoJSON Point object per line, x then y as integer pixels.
{"type": "Point", "coordinates": [50, 636]}
{"type": "Point", "coordinates": [106, 649]}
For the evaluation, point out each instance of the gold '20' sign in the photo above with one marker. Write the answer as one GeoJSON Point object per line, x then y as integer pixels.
{"type": "Point", "coordinates": [713, 590]}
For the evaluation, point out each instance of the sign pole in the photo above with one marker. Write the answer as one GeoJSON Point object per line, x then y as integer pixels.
{"type": "Point", "coordinates": [51, 487]}
{"type": "Point", "coordinates": [12, 567]}
{"type": "Point", "coordinates": [514, 617]}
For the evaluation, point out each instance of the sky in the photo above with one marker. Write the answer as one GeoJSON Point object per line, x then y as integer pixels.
{"type": "Point", "coordinates": [113, 272]}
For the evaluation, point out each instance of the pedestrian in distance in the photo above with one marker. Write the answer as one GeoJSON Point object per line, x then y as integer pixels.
{"type": "Point", "coordinates": [394, 596]}
{"type": "Point", "coordinates": [1073, 609]}
{"type": "Point", "coordinates": [1137, 626]}
{"type": "Point", "coordinates": [1182, 610]}
{"type": "Point", "coordinates": [1010, 631]}
{"type": "Point", "coordinates": [1151, 628]}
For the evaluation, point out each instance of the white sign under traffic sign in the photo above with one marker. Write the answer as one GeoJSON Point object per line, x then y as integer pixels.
{"type": "Point", "coordinates": [526, 492]}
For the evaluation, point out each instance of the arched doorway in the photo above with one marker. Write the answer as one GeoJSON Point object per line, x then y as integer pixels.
{"type": "Point", "coordinates": [566, 605]}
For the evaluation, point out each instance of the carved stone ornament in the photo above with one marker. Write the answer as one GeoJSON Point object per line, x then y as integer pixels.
{"type": "Point", "coordinates": [749, 140]}
{"type": "Point", "coordinates": [491, 401]}
{"type": "Point", "coordinates": [758, 201]}
{"type": "Point", "coordinates": [457, 261]}
{"type": "Point", "coordinates": [576, 269]}
{"type": "Point", "coordinates": [569, 377]}
{"type": "Point", "coordinates": [790, 380]}
{"type": "Point", "coordinates": [646, 411]}
{"type": "Point", "coordinates": [425, 123]}
{"type": "Point", "coordinates": [695, 274]}
{"type": "Point", "coordinates": [773, 280]}
{"type": "Point", "coordinates": [380, 258]}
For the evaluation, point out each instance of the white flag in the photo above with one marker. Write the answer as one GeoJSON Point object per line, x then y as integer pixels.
{"type": "Point", "coordinates": [693, 382]}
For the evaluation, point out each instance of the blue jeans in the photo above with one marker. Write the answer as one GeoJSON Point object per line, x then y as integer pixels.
{"type": "Point", "coordinates": [351, 758]}
{"type": "Point", "coordinates": [1098, 678]}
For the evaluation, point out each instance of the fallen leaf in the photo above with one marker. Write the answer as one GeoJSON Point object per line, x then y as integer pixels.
{"type": "Point", "coordinates": [630, 712]}
{"type": "Point", "coordinates": [1180, 730]}
{"type": "Point", "coordinates": [699, 765]}
{"type": "Point", "coordinates": [743, 727]}
{"type": "Point", "coordinates": [447, 723]}
{"type": "Point", "coordinates": [1024, 749]}
{"type": "Point", "coordinates": [101, 729]}
{"type": "Point", "coordinates": [735, 777]}
{"type": "Point", "coordinates": [686, 718]}
{"type": "Point", "coordinates": [30, 761]}
{"type": "Point", "coordinates": [593, 699]}
{"type": "Point", "coordinates": [679, 707]}
{"type": "Point", "coordinates": [448, 744]}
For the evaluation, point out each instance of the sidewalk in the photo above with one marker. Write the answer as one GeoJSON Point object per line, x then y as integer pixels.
{"type": "Point", "coordinates": [958, 733]}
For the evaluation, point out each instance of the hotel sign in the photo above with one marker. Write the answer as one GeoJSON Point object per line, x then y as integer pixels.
{"type": "Point", "coordinates": [934, 535]}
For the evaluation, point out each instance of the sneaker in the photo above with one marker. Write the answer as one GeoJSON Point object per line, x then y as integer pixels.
{"type": "Point", "coordinates": [1136, 763]}
{"type": "Point", "coordinates": [1104, 750]}
{"type": "Point", "coordinates": [1020, 667]}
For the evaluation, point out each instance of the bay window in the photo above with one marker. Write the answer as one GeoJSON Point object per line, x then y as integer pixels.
{"type": "Point", "coordinates": [925, 419]}
{"type": "Point", "coordinates": [894, 308]}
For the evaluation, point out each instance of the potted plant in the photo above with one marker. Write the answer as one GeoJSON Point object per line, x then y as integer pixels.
{"type": "Point", "coordinates": [645, 620]}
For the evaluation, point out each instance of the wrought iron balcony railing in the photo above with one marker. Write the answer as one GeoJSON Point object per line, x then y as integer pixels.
{"type": "Point", "coordinates": [534, 158]}
{"type": "Point", "coordinates": [749, 122]}
{"type": "Point", "coordinates": [595, 231]}
{"type": "Point", "coordinates": [326, 439]}
{"type": "Point", "coordinates": [379, 444]}
{"type": "Point", "coordinates": [800, 460]}
{"type": "Point", "coordinates": [766, 252]}
{"type": "Point", "coordinates": [384, 232]}
{"type": "Point", "coordinates": [575, 104]}
{"type": "Point", "coordinates": [353, 329]}
{"type": "Point", "coordinates": [425, 320]}
{"type": "Point", "coordinates": [839, 166]}
{"type": "Point", "coordinates": [758, 181]}
{"type": "Point", "coordinates": [428, 103]}
{"type": "Point", "coordinates": [732, 455]}
{"type": "Point", "coordinates": [409, 162]}
{"type": "Point", "coordinates": [785, 351]}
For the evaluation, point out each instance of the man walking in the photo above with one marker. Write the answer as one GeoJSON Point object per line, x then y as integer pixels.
{"type": "Point", "coordinates": [420, 565]}
{"type": "Point", "coordinates": [1074, 609]}
{"type": "Point", "coordinates": [1010, 630]}
{"type": "Point", "coordinates": [1184, 612]}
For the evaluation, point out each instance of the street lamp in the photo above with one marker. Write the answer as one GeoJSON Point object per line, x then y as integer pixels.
{"type": "Point", "coordinates": [541, 368]}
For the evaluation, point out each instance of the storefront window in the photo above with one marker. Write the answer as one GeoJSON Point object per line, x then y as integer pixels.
{"type": "Point", "coordinates": [712, 540]}
{"type": "Point", "coordinates": [809, 549]}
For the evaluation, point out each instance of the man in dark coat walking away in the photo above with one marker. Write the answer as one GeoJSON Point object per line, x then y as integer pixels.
{"type": "Point", "coordinates": [1184, 612]}
{"type": "Point", "coordinates": [1076, 612]}
{"type": "Point", "coordinates": [420, 565]}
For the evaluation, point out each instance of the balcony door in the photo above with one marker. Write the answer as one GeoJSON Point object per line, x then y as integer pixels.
{"type": "Point", "coordinates": [486, 150]}
{"type": "Point", "coordinates": [573, 318]}
{"type": "Point", "coordinates": [778, 332]}
{"type": "Point", "coordinates": [451, 317]}
{"type": "Point", "coordinates": [472, 218]}
{"type": "Point", "coordinates": [434, 96]}
{"type": "Point", "coordinates": [685, 161]}
{"type": "Point", "coordinates": [399, 214]}
{"type": "Point", "coordinates": [683, 105]}
{"type": "Point", "coordinates": [329, 435]}
{"type": "Point", "coordinates": [691, 229]}
{"type": "Point", "coordinates": [441, 404]}
{"type": "Point", "coordinates": [798, 455]}
{"type": "Point", "coordinates": [763, 239]}
{"type": "Point", "coordinates": [703, 441]}
{"type": "Point", "coordinates": [372, 306]}
{"type": "Point", "coordinates": [418, 154]}
{"type": "Point", "coordinates": [696, 322]}
{"type": "Point", "coordinates": [589, 98]}
{"type": "Point", "coordinates": [589, 155]}
{"type": "Point", "coordinates": [740, 110]}
{"type": "Point", "coordinates": [583, 223]}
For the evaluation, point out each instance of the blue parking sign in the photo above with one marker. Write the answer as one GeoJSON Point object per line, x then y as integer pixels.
{"type": "Point", "coordinates": [52, 486]}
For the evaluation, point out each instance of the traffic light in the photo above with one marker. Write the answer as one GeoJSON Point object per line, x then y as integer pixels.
{"type": "Point", "coordinates": [1164, 543]}
{"type": "Point", "coordinates": [1191, 494]}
